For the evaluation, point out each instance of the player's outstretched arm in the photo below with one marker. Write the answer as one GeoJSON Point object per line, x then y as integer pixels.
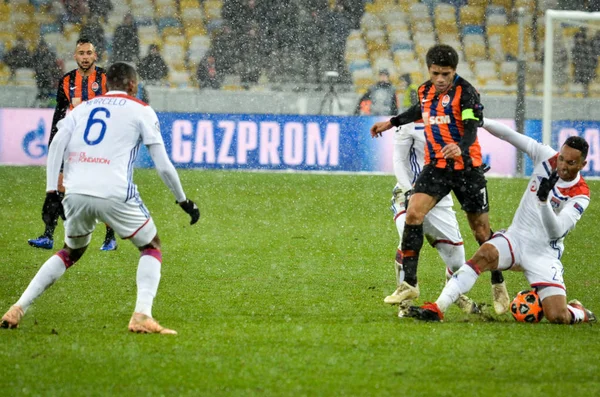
{"type": "Point", "coordinates": [56, 153]}
{"type": "Point", "coordinates": [518, 140]}
{"type": "Point", "coordinates": [169, 176]}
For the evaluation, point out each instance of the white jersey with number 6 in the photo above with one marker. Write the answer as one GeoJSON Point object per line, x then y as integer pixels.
{"type": "Point", "coordinates": [105, 137]}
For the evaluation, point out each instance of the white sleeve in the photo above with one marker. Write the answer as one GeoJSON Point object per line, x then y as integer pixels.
{"type": "Point", "coordinates": [535, 150]}
{"type": "Point", "coordinates": [559, 225]}
{"type": "Point", "coordinates": [150, 127]}
{"type": "Point", "coordinates": [403, 142]}
{"type": "Point", "coordinates": [166, 170]}
{"type": "Point", "coordinates": [56, 152]}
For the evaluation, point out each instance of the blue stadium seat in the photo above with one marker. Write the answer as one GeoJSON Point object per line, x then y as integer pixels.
{"type": "Point", "coordinates": [472, 29]}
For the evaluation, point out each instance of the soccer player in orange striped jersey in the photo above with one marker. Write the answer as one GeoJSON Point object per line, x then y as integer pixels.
{"type": "Point", "coordinates": [74, 88]}
{"type": "Point", "coordinates": [451, 111]}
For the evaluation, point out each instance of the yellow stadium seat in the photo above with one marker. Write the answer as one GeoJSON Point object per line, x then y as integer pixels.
{"type": "Point", "coordinates": [4, 12]}
{"type": "Point", "coordinates": [478, 3]}
{"type": "Point", "coordinates": [508, 72]}
{"type": "Point", "coordinates": [185, 4]}
{"type": "Point", "coordinates": [507, 4]}
{"type": "Point", "coordinates": [471, 15]}
{"type": "Point", "coordinates": [195, 30]}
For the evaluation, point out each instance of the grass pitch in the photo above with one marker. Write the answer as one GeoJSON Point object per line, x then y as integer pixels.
{"type": "Point", "coordinates": [278, 290]}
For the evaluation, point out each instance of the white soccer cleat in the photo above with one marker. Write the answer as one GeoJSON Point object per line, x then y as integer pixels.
{"type": "Point", "coordinates": [501, 298]}
{"type": "Point", "coordinates": [589, 317]}
{"type": "Point", "coordinates": [12, 318]}
{"type": "Point", "coordinates": [467, 305]}
{"type": "Point", "coordinates": [143, 324]}
{"type": "Point", "coordinates": [404, 292]}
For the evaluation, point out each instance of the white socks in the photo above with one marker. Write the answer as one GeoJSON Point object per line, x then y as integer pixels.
{"type": "Point", "coordinates": [578, 314]}
{"type": "Point", "coordinates": [148, 277]}
{"type": "Point", "coordinates": [460, 283]}
{"type": "Point", "coordinates": [50, 271]}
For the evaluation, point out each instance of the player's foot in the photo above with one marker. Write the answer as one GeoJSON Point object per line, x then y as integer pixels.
{"type": "Point", "coordinates": [501, 298]}
{"type": "Point", "coordinates": [404, 307]}
{"type": "Point", "coordinates": [467, 305]}
{"type": "Point", "coordinates": [109, 245]}
{"type": "Point", "coordinates": [143, 324]}
{"type": "Point", "coordinates": [12, 317]}
{"type": "Point", "coordinates": [589, 316]}
{"type": "Point", "coordinates": [404, 292]}
{"type": "Point", "coordinates": [43, 242]}
{"type": "Point", "coordinates": [428, 312]}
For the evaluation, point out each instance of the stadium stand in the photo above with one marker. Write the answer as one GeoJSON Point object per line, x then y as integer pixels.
{"type": "Point", "coordinates": [392, 35]}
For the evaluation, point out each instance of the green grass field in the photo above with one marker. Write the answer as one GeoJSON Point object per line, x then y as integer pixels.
{"type": "Point", "coordinates": [278, 290]}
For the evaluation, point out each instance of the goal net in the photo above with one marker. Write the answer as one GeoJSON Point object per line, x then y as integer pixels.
{"type": "Point", "coordinates": [571, 85]}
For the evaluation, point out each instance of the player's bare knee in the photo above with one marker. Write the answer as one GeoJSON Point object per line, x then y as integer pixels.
{"type": "Point", "coordinates": [154, 244]}
{"type": "Point", "coordinates": [486, 257]}
{"type": "Point", "coordinates": [558, 316]}
{"type": "Point", "coordinates": [414, 216]}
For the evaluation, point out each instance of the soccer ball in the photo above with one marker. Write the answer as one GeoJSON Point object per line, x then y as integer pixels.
{"type": "Point", "coordinates": [527, 307]}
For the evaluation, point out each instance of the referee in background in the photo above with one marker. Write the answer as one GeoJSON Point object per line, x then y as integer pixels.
{"type": "Point", "coordinates": [75, 87]}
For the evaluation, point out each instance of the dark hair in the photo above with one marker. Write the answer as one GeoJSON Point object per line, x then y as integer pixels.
{"type": "Point", "coordinates": [442, 55]}
{"type": "Point", "coordinates": [83, 40]}
{"type": "Point", "coordinates": [578, 143]}
{"type": "Point", "coordinates": [119, 75]}
{"type": "Point", "coordinates": [406, 77]}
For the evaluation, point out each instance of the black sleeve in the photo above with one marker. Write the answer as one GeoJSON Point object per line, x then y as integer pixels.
{"type": "Point", "coordinates": [470, 103]}
{"type": "Point", "coordinates": [62, 104]}
{"type": "Point", "coordinates": [411, 115]}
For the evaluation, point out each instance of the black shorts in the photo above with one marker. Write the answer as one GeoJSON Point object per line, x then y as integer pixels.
{"type": "Point", "coordinates": [469, 186]}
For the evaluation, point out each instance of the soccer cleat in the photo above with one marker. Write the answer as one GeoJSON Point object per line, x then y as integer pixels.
{"type": "Point", "coordinates": [12, 317]}
{"type": "Point", "coordinates": [501, 298]}
{"type": "Point", "coordinates": [589, 316]}
{"type": "Point", "coordinates": [428, 312]}
{"type": "Point", "coordinates": [41, 242]}
{"type": "Point", "coordinates": [109, 245]}
{"type": "Point", "coordinates": [404, 307]}
{"type": "Point", "coordinates": [143, 324]}
{"type": "Point", "coordinates": [404, 292]}
{"type": "Point", "coordinates": [467, 305]}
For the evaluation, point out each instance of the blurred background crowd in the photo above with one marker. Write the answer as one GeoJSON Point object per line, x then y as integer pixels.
{"type": "Point", "coordinates": [292, 44]}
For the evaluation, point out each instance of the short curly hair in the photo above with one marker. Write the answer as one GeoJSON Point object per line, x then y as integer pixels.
{"type": "Point", "coordinates": [442, 55]}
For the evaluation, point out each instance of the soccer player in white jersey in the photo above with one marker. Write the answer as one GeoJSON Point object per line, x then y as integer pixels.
{"type": "Point", "coordinates": [554, 201]}
{"type": "Point", "coordinates": [99, 142]}
{"type": "Point", "coordinates": [440, 226]}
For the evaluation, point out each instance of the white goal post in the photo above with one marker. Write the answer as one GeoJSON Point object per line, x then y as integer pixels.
{"type": "Point", "coordinates": [553, 16]}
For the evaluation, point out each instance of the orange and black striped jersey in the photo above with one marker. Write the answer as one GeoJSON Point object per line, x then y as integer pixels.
{"type": "Point", "coordinates": [73, 89]}
{"type": "Point", "coordinates": [449, 117]}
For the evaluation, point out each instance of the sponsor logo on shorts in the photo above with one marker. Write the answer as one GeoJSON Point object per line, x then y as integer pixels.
{"type": "Point", "coordinates": [579, 208]}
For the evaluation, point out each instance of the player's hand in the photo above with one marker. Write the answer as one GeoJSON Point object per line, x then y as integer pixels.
{"type": "Point", "coordinates": [546, 186]}
{"type": "Point", "coordinates": [191, 209]}
{"type": "Point", "coordinates": [379, 127]}
{"type": "Point", "coordinates": [52, 207]}
{"type": "Point", "coordinates": [451, 151]}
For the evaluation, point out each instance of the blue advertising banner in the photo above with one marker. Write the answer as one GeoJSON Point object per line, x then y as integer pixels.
{"type": "Point", "coordinates": [273, 142]}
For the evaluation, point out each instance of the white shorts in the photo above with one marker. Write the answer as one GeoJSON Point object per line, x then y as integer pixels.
{"type": "Point", "coordinates": [130, 220]}
{"type": "Point", "coordinates": [440, 226]}
{"type": "Point", "coordinates": [542, 269]}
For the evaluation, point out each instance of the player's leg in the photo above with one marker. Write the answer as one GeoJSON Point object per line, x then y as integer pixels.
{"type": "Point", "coordinates": [46, 240]}
{"type": "Point", "coordinates": [497, 253]}
{"type": "Point", "coordinates": [429, 188]}
{"type": "Point", "coordinates": [110, 242]}
{"type": "Point", "coordinates": [544, 272]}
{"type": "Point", "coordinates": [471, 191]}
{"type": "Point", "coordinates": [78, 233]}
{"type": "Point", "coordinates": [399, 213]}
{"type": "Point", "coordinates": [443, 233]}
{"type": "Point", "coordinates": [131, 220]}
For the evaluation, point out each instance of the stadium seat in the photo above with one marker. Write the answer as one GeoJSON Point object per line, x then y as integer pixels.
{"type": "Point", "coordinates": [485, 71]}
{"type": "Point", "coordinates": [474, 46]}
{"type": "Point", "coordinates": [179, 78]}
{"type": "Point", "coordinates": [508, 72]}
{"type": "Point", "coordinates": [471, 15]}
{"type": "Point", "coordinates": [212, 9]}
{"type": "Point", "coordinates": [495, 47]}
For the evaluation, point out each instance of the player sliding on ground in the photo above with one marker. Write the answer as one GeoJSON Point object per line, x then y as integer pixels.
{"type": "Point", "coordinates": [553, 202]}
{"type": "Point", "coordinates": [99, 142]}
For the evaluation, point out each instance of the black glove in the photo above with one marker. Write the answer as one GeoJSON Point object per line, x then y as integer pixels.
{"type": "Point", "coordinates": [192, 210]}
{"type": "Point", "coordinates": [52, 207]}
{"type": "Point", "coordinates": [546, 186]}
